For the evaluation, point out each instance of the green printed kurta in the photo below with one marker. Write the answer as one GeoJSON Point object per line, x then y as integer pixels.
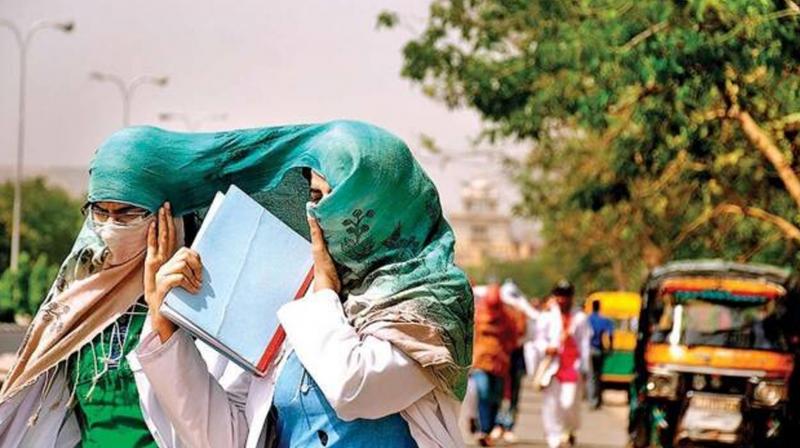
{"type": "Point", "coordinates": [110, 414]}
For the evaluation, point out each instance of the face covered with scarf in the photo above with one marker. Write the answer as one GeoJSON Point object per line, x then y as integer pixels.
{"type": "Point", "coordinates": [99, 280]}
{"type": "Point", "coordinates": [382, 219]}
{"type": "Point", "coordinates": [123, 229]}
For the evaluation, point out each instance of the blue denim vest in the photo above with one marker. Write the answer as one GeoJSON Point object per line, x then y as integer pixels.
{"type": "Point", "coordinates": [306, 419]}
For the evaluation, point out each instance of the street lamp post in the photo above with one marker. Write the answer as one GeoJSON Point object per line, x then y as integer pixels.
{"type": "Point", "coordinates": [23, 41]}
{"type": "Point", "coordinates": [127, 89]}
{"type": "Point", "coordinates": [192, 123]}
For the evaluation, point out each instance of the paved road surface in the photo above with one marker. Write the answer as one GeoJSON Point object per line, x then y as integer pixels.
{"type": "Point", "coordinates": [604, 428]}
{"type": "Point", "coordinates": [10, 337]}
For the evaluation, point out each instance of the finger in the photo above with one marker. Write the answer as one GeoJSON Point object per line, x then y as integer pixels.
{"type": "Point", "coordinates": [196, 266]}
{"type": "Point", "coordinates": [181, 265]}
{"type": "Point", "coordinates": [152, 263]}
{"type": "Point", "coordinates": [163, 235]}
{"type": "Point", "coordinates": [190, 275]}
{"type": "Point", "coordinates": [178, 280]}
{"type": "Point", "coordinates": [192, 260]}
{"type": "Point", "coordinates": [184, 281]}
{"type": "Point", "coordinates": [316, 231]}
{"type": "Point", "coordinates": [189, 286]}
{"type": "Point", "coordinates": [186, 255]}
{"type": "Point", "coordinates": [195, 256]}
{"type": "Point", "coordinates": [172, 266]}
{"type": "Point", "coordinates": [175, 264]}
{"type": "Point", "coordinates": [152, 243]}
{"type": "Point", "coordinates": [172, 280]}
{"type": "Point", "coordinates": [317, 239]}
{"type": "Point", "coordinates": [170, 227]}
{"type": "Point", "coordinates": [192, 253]}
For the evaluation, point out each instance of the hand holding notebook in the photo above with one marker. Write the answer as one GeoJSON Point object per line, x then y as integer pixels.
{"type": "Point", "coordinates": [252, 264]}
{"type": "Point", "coordinates": [164, 268]}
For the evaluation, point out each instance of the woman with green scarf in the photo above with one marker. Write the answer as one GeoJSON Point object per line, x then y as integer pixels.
{"type": "Point", "coordinates": [403, 312]}
{"type": "Point", "coordinates": [71, 383]}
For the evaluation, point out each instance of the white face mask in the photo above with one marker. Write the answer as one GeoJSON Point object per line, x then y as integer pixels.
{"type": "Point", "coordinates": [123, 242]}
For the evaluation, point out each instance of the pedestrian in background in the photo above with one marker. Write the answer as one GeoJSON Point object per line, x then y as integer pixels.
{"type": "Point", "coordinates": [602, 342]}
{"type": "Point", "coordinates": [496, 336]}
{"type": "Point", "coordinates": [524, 316]}
{"type": "Point", "coordinates": [569, 355]}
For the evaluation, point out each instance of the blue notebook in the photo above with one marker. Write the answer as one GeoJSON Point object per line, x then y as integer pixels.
{"type": "Point", "coordinates": [252, 264]}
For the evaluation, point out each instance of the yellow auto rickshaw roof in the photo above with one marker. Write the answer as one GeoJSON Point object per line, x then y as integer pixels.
{"type": "Point", "coordinates": [616, 304]}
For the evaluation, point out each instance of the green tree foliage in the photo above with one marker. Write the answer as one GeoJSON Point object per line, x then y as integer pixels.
{"type": "Point", "coordinates": [43, 273]}
{"type": "Point", "coordinates": [22, 292]}
{"type": "Point", "coordinates": [50, 221]}
{"type": "Point", "coordinates": [535, 277]}
{"type": "Point", "coordinates": [660, 129]}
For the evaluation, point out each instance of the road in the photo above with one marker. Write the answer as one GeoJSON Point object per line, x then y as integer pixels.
{"type": "Point", "coordinates": [604, 428]}
{"type": "Point", "coordinates": [10, 337]}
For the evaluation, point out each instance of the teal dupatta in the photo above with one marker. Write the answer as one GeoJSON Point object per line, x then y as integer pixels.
{"type": "Point", "coordinates": [383, 220]}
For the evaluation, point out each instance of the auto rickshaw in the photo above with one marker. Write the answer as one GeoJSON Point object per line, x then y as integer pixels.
{"type": "Point", "coordinates": [715, 357]}
{"type": "Point", "coordinates": [623, 309]}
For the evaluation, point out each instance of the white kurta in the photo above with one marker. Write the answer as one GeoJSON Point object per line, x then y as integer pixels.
{"type": "Point", "coordinates": [561, 401]}
{"type": "Point", "coordinates": [361, 378]}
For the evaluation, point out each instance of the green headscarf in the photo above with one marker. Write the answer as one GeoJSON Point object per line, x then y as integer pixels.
{"type": "Point", "coordinates": [383, 221]}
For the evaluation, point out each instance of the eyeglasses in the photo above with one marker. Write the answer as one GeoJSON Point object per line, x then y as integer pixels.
{"type": "Point", "coordinates": [125, 216]}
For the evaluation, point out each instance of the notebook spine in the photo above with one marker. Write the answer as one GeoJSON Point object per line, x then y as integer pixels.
{"type": "Point", "coordinates": [277, 340]}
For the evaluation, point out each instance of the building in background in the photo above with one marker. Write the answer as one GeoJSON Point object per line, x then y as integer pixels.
{"type": "Point", "coordinates": [484, 232]}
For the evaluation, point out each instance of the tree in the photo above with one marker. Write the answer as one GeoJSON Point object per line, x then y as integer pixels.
{"type": "Point", "coordinates": [41, 277]}
{"type": "Point", "coordinates": [660, 129]}
{"type": "Point", "coordinates": [51, 219]}
{"type": "Point", "coordinates": [22, 292]}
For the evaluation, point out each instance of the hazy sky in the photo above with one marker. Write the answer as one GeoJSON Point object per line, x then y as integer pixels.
{"type": "Point", "coordinates": [261, 62]}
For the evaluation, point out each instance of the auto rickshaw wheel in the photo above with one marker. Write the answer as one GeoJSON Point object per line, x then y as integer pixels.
{"type": "Point", "coordinates": [639, 430]}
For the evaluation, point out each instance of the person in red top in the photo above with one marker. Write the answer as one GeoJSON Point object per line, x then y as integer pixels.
{"type": "Point", "coordinates": [496, 335]}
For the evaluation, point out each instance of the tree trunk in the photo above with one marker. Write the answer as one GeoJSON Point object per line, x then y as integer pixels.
{"type": "Point", "coordinates": [620, 279]}
{"type": "Point", "coordinates": [653, 255]}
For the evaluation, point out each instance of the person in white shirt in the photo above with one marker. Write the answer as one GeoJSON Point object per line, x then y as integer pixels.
{"type": "Point", "coordinates": [565, 339]}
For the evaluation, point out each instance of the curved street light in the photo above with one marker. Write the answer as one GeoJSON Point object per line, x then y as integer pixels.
{"type": "Point", "coordinates": [126, 89]}
{"type": "Point", "coordinates": [192, 122]}
{"type": "Point", "coordinates": [23, 40]}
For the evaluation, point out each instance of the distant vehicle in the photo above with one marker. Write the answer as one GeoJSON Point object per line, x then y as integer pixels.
{"type": "Point", "coordinates": [623, 309]}
{"type": "Point", "coordinates": [715, 357]}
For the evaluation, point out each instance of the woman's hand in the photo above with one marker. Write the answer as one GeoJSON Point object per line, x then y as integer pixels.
{"type": "Point", "coordinates": [325, 275]}
{"type": "Point", "coordinates": [162, 273]}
